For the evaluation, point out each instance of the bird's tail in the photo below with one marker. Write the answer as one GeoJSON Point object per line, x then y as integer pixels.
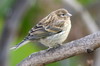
{"type": "Point", "coordinates": [25, 41]}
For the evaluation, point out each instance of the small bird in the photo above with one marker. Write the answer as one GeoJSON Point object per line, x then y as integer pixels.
{"type": "Point", "coordinates": [51, 31]}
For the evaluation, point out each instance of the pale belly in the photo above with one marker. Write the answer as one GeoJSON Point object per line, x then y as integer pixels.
{"type": "Point", "coordinates": [56, 39]}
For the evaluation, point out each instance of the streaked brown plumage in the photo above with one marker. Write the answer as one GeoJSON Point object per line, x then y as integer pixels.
{"type": "Point", "coordinates": [51, 30]}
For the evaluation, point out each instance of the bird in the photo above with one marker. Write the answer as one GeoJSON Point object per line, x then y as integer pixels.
{"type": "Point", "coordinates": [51, 31]}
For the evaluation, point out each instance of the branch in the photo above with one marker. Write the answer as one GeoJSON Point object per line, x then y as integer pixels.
{"type": "Point", "coordinates": [83, 45]}
{"type": "Point", "coordinates": [76, 8]}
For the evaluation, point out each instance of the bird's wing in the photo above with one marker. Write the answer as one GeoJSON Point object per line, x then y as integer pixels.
{"type": "Point", "coordinates": [56, 27]}
{"type": "Point", "coordinates": [41, 31]}
{"type": "Point", "coordinates": [38, 32]}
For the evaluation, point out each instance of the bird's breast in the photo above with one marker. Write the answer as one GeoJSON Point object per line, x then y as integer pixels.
{"type": "Point", "coordinates": [57, 38]}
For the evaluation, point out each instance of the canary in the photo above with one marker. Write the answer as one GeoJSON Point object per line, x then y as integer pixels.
{"type": "Point", "coordinates": [51, 30]}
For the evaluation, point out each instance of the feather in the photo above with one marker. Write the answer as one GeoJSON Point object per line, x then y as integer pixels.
{"type": "Point", "coordinates": [20, 44]}
{"type": "Point", "coordinates": [52, 27]}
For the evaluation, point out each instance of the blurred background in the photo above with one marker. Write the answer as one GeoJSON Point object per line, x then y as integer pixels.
{"type": "Point", "coordinates": [17, 17]}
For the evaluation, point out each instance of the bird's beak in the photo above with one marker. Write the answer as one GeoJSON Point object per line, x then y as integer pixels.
{"type": "Point", "coordinates": [68, 14]}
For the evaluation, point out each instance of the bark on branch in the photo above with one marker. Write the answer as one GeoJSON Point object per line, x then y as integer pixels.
{"type": "Point", "coordinates": [83, 45]}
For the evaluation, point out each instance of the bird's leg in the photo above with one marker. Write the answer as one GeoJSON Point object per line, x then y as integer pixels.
{"type": "Point", "coordinates": [53, 48]}
{"type": "Point", "coordinates": [58, 45]}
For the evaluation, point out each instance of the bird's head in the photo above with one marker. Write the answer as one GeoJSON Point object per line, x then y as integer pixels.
{"type": "Point", "coordinates": [62, 14]}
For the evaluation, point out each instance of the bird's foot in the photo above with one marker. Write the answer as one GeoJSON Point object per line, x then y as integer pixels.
{"type": "Point", "coordinates": [54, 48]}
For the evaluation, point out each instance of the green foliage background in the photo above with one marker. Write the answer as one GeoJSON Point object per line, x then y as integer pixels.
{"type": "Point", "coordinates": [32, 16]}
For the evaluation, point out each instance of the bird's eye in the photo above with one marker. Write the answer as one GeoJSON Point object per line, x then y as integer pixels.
{"type": "Point", "coordinates": [62, 15]}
